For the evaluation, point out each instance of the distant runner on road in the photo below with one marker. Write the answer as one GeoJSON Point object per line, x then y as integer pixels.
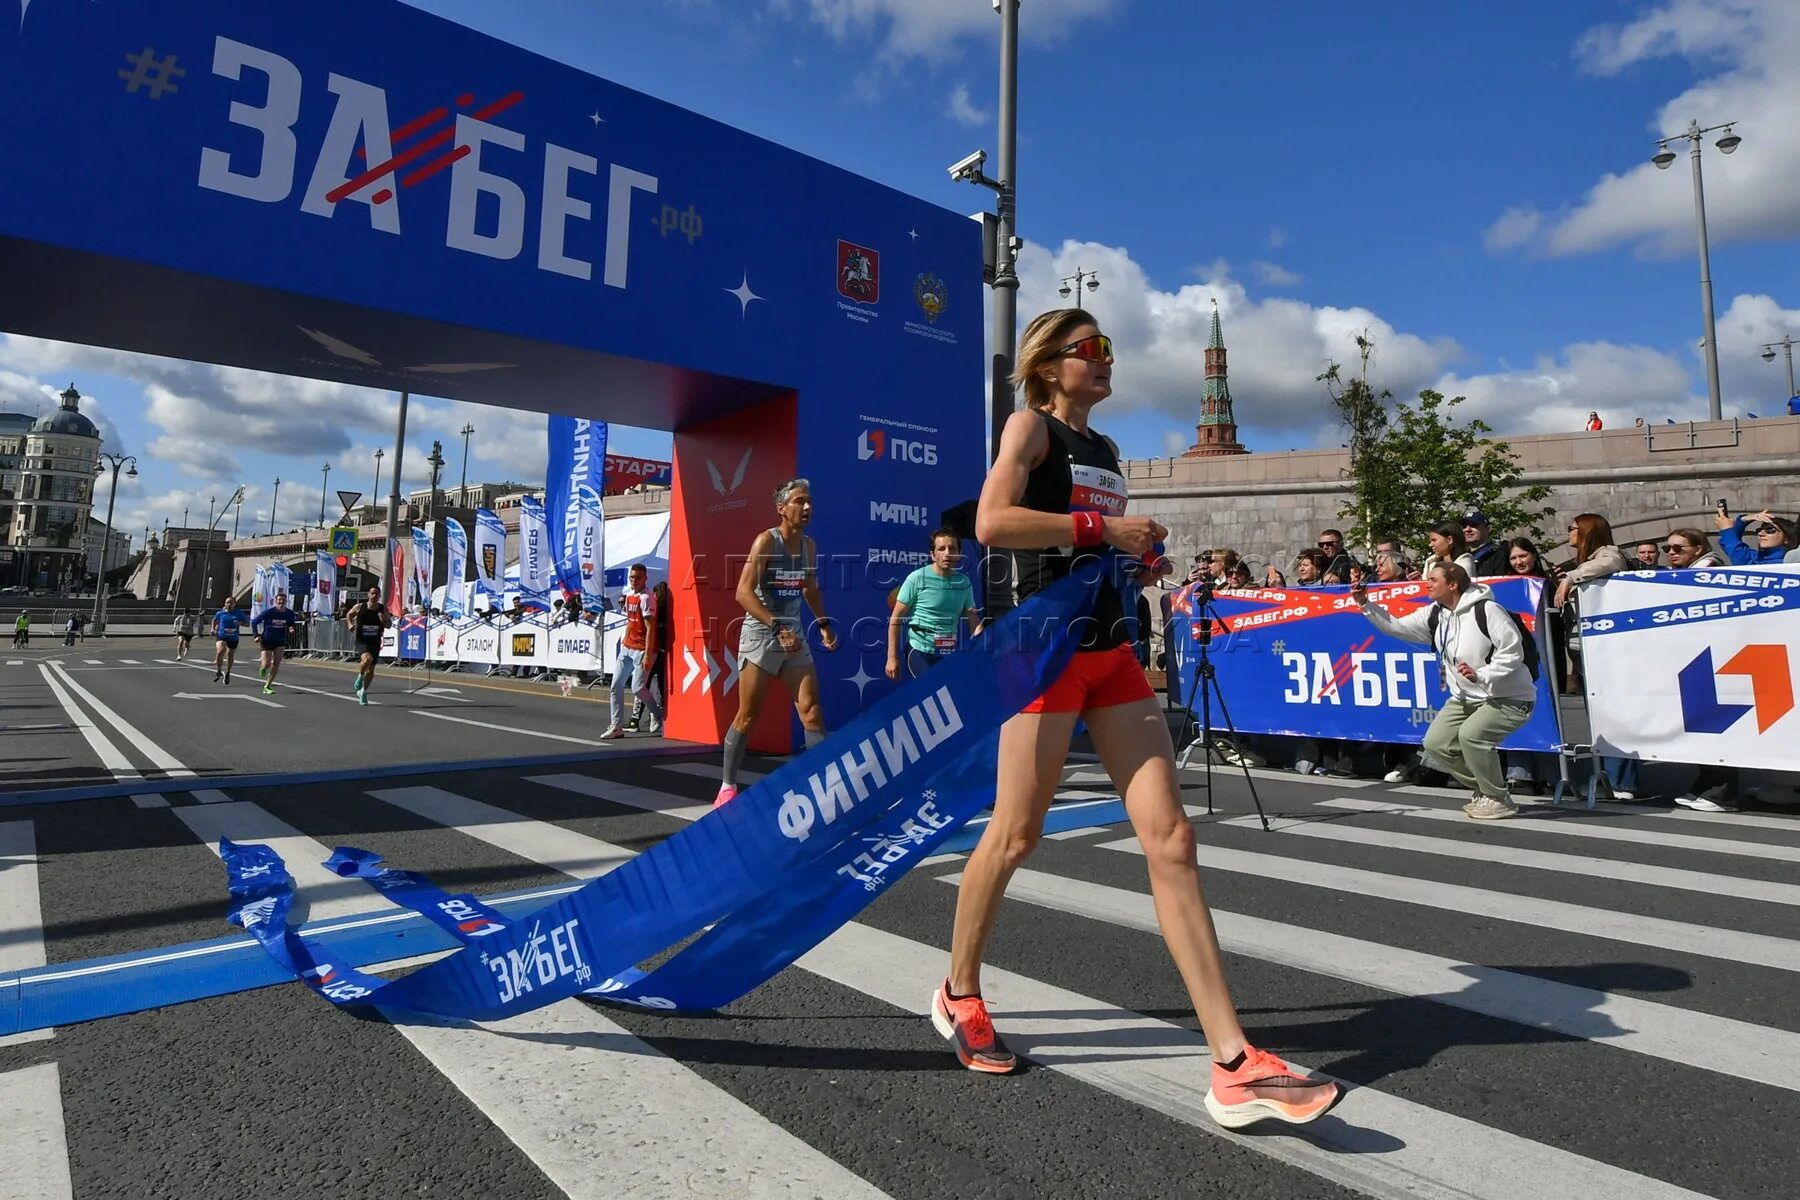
{"type": "Point", "coordinates": [271, 628]}
{"type": "Point", "coordinates": [367, 621]}
{"type": "Point", "coordinates": [226, 630]}
{"type": "Point", "coordinates": [186, 625]}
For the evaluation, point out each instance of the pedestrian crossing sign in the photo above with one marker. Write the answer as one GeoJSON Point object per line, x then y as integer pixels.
{"type": "Point", "coordinates": [343, 539]}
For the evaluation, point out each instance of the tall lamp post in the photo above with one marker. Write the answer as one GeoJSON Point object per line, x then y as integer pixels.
{"type": "Point", "coordinates": [436, 459]}
{"type": "Point", "coordinates": [379, 455]}
{"type": "Point", "coordinates": [1787, 347]}
{"type": "Point", "coordinates": [323, 485]}
{"type": "Point", "coordinates": [1004, 250]}
{"type": "Point", "coordinates": [238, 515]}
{"type": "Point", "coordinates": [462, 491]}
{"type": "Point", "coordinates": [1071, 284]}
{"type": "Point", "coordinates": [1663, 158]}
{"type": "Point", "coordinates": [115, 461]}
{"type": "Point", "coordinates": [206, 589]}
{"type": "Point", "coordinates": [273, 501]}
{"type": "Point", "coordinates": [393, 507]}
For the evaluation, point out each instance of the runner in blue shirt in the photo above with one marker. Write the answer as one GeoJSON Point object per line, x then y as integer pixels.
{"type": "Point", "coordinates": [226, 630]}
{"type": "Point", "coordinates": [272, 627]}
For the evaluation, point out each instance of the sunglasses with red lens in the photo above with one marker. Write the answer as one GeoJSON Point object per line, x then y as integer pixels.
{"type": "Point", "coordinates": [1097, 348]}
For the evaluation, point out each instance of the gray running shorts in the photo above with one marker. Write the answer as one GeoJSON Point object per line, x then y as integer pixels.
{"type": "Point", "coordinates": [757, 646]}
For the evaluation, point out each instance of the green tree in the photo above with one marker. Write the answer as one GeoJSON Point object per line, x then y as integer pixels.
{"type": "Point", "coordinates": [1414, 466]}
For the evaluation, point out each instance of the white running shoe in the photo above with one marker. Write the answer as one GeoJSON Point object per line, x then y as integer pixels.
{"type": "Point", "coordinates": [612, 733]}
{"type": "Point", "coordinates": [1397, 775]}
{"type": "Point", "coordinates": [1623, 797]}
{"type": "Point", "coordinates": [1491, 808]}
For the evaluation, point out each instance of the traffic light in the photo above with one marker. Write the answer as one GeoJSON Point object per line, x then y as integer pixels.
{"type": "Point", "coordinates": [343, 560]}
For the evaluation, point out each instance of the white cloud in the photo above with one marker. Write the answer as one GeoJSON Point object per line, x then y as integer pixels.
{"type": "Point", "coordinates": [1276, 275]}
{"type": "Point", "coordinates": [1514, 228]}
{"type": "Point", "coordinates": [963, 111]}
{"type": "Point", "coordinates": [1279, 346]}
{"type": "Point", "coordinates": [1557, 392]}
{"type": "Point", "coordinates": [1750, 47]}
{"type": "Point", "coordinates": [908, 29]}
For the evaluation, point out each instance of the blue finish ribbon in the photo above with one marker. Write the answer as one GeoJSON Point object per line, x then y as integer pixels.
{"type": "Point", "coordinates": [774, 872]}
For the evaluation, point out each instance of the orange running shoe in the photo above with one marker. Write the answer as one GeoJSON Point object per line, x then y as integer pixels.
{"type": "Point", "coordinates": [1265, 1087]}
{"type": "Point", "coordinates": [965, 1024]}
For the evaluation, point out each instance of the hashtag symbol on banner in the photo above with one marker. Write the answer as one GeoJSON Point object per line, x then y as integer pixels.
{"type": "Point", "coordinates": [158, 75]}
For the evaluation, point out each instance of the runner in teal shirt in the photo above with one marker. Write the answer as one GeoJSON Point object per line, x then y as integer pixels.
{"type": "Point", "coordinates": [931, 604]}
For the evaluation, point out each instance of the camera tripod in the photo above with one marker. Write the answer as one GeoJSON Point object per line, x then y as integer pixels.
{"type": "Point", "coordinates": [1206, 684]}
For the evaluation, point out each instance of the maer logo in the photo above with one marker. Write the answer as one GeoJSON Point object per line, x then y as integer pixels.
{"type": "Point", "coordinates": [1771, 689]}
{"type": "Point", "coordinates": [878, 443]}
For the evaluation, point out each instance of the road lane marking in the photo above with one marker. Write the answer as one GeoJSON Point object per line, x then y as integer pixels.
{"type": "Point", "coordinates": [34, 1154]}
{"type": "Point", "coordinates": [210, 796]}
{"type": "Point", "coordinates": [1721, 1044]}
{"type": "Point", "coordinates": [1373, 1142]}
{"type": "Point", "coordinates": [156, 754]}
{"type": "Point", "coordinates": [21, 917]}
{"type": "Point", "coordinates": [150, 800]}
{"type": "Point", "coordinates": [1682, 937]}
{"type": "Point", "coordinates": [1577, 827]}
{"type": "Point", "coordinates": [661, 1129]}
{"type": "Point", "coordinates": [648, 799]}
{"type": "Point", "coordinates": [536, 733]}
{"type": "Point", "coordinates": [1583, 865]}
{"type": "Point", "coordinates": [534, 841]}
{"type": "Point", "coordinates": [280, 683]}
{"type": "Point", "coordinates": [111, 757]}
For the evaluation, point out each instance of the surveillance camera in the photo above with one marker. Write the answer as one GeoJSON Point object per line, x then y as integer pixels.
{"type": "Point", "coordinates": [970, 167]}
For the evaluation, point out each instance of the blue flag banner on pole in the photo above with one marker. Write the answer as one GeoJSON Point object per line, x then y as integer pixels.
{"type": "Point", "coordinates": [577, 459]}
{"type": "Point", "coordinates": [456, 566]}
{"type": "Point", "coordinates": [422, 564]}
{"type": "Point", "coordinates": [537, 568]}
{"type": "Point", "coordinates": [1306, 663]}
{"type": "Point", "coordinates": [776, 870]}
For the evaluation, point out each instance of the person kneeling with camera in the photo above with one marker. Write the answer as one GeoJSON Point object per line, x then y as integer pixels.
{"type": "Point", "coordinates": [1481, 646]}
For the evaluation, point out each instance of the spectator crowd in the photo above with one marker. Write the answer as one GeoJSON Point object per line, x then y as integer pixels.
{"type": "Point", "coordinates": [1489, 663]}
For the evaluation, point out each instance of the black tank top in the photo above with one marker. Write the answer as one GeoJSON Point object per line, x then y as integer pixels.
{"type": "Point", "coordinates": [1080, 473]}
{"type": "Point", "coordinates": [368, 621]}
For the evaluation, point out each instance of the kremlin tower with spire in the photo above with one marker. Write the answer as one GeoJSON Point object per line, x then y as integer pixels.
{"type": "Point", "coordinates": [1216, 432]}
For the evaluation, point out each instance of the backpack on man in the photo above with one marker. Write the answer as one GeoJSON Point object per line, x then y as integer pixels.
{"type": "Point", "coordinates": [1530, 643]}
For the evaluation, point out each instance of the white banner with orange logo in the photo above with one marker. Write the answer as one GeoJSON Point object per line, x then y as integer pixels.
{"type": "Point", "coordinates": [1695, 666]}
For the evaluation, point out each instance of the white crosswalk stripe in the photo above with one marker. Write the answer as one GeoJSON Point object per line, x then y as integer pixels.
{"type": "Point", "coordinates": [607, 1103]}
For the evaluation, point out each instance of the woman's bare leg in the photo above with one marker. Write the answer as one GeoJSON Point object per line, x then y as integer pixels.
{"type": "Point", "coordinates": [1033, 747]}
{"type": "Point", "coordinates": [1133, 743]}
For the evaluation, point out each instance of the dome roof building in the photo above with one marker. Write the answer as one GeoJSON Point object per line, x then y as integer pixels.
{"type": "Point", "coordinates": [47, 494]}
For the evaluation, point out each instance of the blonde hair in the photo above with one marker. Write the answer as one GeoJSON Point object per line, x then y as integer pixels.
{"type": "Point", "coordinates": [1047, 333]}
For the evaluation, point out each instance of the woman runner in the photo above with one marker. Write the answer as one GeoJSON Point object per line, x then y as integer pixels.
{"type": "Point", "coordinates": [780, 575]}
{"type": "Point", "coordinates": [1055, 485]}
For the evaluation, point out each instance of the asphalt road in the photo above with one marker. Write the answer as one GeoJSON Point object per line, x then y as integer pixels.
{"type": "Point", "coordinates": [176, 718]}
{"type": "Point", "coordinates": [1564, 1005]}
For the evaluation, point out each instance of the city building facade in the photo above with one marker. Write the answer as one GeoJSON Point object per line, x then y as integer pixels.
{"type": "Point", "coordinates": [46, 495]}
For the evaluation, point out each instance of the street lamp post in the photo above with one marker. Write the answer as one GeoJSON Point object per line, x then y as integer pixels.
{"type": "Point", "coordinates": [1663, 158]}
{"type": "Point", "coordinates": [1005, 252]}
{"type": "Point", "coordinates": [436, 459]}
{"type": "Point", "coordinates": [379, 455]}
{"type": "Point", "coordinates": [462, 491]}
{"type": "Point", "coordinates": [1787, 348]}
{"type": "Point", "coordinates": [393, 508]}
{"type": "Point", "coordinates": [1091, 278]}
{"type": "Point", "coordinates": [115, 461]}
{"type": "Point", "coordinates": [273, 501]}
{"type": "Point", "coordinates": [238, 515]}
{"type": "Point", "coordinates": [323, 485]}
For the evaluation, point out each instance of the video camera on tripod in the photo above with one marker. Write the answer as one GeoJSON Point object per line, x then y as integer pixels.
{"type": "Point", "coordinates": [1199, 606]}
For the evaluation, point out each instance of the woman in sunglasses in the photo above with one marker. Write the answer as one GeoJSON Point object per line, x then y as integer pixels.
{"type": "Point", "coordinates": [1690, 550]}
{"type": "Point", "coordinates": [1055, 496]}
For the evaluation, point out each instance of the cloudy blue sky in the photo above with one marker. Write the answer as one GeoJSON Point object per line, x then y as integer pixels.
{"type": "Point", "coordinates": [1470, 184]}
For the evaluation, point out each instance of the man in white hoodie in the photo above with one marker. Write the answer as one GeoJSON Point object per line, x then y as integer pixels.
{"type": "Point", "coordinates": [1482, 649]}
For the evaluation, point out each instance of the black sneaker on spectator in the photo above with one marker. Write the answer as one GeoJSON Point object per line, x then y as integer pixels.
{"type": "Point", "coordinates": [1780, 795]}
